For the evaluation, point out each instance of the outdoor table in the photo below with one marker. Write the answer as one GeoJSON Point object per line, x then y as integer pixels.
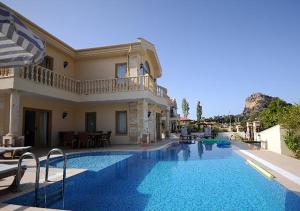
{"type": "Point", "coordinates": [97, 138]}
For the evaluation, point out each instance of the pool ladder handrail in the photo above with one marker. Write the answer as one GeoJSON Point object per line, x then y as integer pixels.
{"type": "Point", "coordinates": [64, 167]}
{"type": "Point", "coordinates": [37, 173]}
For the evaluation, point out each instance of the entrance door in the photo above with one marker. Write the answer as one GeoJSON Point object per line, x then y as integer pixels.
{"type": "Point", "coordinates": [30, 128]}
{"type": "Point", "coordinates": [37, 127]}
{"type": "Point", "coordinates": [43, 128]}
{"type": "Point", "coordinates": [90, 122]}
{"type": "Point", "coordinates": [158, 133]}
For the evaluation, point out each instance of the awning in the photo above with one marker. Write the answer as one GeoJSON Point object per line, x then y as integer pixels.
{"type": "Point", "coordinates": [18, 45]}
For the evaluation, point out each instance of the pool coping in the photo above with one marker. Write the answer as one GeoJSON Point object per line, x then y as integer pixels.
{"type": "Point", "coordinates": [153, 148]}
{"type": "Point", "coordinates": [275, 168]}
{"type": "Point", "coordinates": [77, 171]}
{"type": "Point", "coordinates": [284, 177]}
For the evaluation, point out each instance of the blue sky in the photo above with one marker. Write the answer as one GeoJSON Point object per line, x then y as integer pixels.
{"type": "Point", "coordinates": [215, 51]}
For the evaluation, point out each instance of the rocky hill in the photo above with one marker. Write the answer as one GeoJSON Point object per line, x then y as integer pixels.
{"type": "Point", "coordinates": [256, 103]}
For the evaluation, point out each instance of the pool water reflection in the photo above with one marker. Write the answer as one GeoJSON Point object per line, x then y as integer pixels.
{"type": "Point", "coordinates": [181, 177]}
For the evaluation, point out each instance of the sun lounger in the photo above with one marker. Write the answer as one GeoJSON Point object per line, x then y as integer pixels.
{"type": "Point", "coordinates": [184, 134]}
{"type": "Point", "coordinates": [7, 171]}
{"type": "Point", "coordinates": [14, 150]}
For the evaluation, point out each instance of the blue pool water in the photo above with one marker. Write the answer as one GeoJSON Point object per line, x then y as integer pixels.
{"type": "Point", "coordinates": [180, 177]}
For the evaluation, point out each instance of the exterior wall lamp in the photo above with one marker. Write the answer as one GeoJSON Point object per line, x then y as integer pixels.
{"type": "Point", "coordinates": [66, 64]}
{"type": "Point", "coordinates": [64, 115]}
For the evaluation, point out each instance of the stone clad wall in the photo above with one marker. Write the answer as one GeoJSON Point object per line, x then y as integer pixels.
{"type": "Point", "coordinates": [132, 122]}
{"type": "Point", "coordinates": [4, 114]}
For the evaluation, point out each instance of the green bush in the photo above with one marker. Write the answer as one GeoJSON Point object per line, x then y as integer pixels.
{"type": "Point", "coordinates": [293, 142]}
{"type": "Point", "coordinates": [271, 115]}
{"type": "Point", "coordinates": [214, 132]}
{"type": "Point", "coordinates": [290, 120]}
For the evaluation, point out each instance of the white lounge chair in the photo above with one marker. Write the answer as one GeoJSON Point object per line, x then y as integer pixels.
{"type": "Point", "coordinates": [14, 150]}
{"type": "Point", "coordinates": [7, 171]}
{"type": "Point", "coordinates": [184, 134]}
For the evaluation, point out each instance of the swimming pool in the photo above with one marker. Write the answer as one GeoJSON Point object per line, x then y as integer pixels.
{"type": "Point", "coordinates": [181, 177]}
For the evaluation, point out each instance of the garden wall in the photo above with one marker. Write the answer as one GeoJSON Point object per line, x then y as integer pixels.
{"type": "Point", "coordinates": [274, 137]}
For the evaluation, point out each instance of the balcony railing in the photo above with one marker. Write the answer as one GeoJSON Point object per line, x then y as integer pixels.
{"type": "Point", "coordinates": [6, 72]}
{"type": "Point", "coordinates": [44, 76]}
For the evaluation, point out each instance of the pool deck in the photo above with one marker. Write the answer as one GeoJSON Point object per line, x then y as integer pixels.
{"type": "Point", "coordinates": [285, 169]}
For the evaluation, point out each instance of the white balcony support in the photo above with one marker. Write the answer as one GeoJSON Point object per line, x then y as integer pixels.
{"type": "Point", "coordinates": [14, 119]}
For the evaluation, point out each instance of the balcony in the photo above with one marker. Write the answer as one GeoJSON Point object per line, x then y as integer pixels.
{"type": "Point", "coordinates": [43, 81]}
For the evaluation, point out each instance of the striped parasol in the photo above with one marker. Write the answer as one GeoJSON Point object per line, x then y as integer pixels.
{"type": "Point", "coordinates": [18, 44]}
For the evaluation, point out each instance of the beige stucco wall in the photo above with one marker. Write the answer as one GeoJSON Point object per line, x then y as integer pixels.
{"type": "Point", "coordinates": [75, 121]}
{"type": "Point", "coordinates": [274, 137]}
{"type": "Point", "coordinates": [105, 119]}
{"type": "Point", "coordinates": [59, 58]}
{"type": "Point", "coordinates": [100, 68]}
{"type": "Point", "coordinates": [57, 108]}
{"type": "Point", "coordinates": [137, 117]}
{"type": "Point", "coordinates": [104, 68]}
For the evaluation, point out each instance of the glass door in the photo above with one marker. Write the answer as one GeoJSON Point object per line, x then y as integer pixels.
{"type": "Point", "coordinates": [43, 128]}
{"type": "Point", "coordinates": [90, 122]}
{"type": "Point", "coordinates": [36, 127]}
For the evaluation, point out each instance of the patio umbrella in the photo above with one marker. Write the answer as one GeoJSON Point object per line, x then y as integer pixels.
{"type": "Point", "coordinates": [18, 44]}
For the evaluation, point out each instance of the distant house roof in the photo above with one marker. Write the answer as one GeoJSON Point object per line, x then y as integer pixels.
{"type": "Point", "coordinates": [185, 119]}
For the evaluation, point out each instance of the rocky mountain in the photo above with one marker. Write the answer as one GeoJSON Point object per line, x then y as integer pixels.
{"type": "Point", "coordinates": [256, 103]}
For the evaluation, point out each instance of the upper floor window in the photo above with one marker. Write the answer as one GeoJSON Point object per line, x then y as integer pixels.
{"type": "Point", "coordinates": [144, 69]}
{"type": "Point", "coordinates": [48, 62]}
{"type": "Point", "coordinates": [121, 70]}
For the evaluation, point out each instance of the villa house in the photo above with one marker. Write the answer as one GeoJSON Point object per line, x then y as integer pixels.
{"type": "Point", "coordinates": [112, 88]}
{"type": "Point", "coordinates": [174, 116]}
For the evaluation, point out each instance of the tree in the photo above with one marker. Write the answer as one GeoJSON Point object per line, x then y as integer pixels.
{"type": "Point", "coordinates": [185, 107]}
{"type": "Point", "coordinates": [270, 116]}
{"type": "Point", "coordinates": [290, 120]}
{"type": "Point", "coordinates": [199, 111]}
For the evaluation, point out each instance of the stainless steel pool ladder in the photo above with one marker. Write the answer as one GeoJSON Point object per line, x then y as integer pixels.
{"type": "Point", "coordinates": [64, 169]}
{"type": "Point", "coordinates": [37, 174]}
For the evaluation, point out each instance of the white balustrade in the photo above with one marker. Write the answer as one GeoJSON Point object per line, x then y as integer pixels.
{"type": "Point", "coordinates": [44, 76]}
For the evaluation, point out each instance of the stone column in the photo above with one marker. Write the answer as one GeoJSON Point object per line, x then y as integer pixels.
{"type": "Point", "coordinates": [142, 116]}
{"type": "Point", "coordinates": [14, 119]}
{"type": "Point", "coordinates": [256, 130]}
{"type": "Point", "coordinates": [167, 127]}
{"type": "Point", "coordinates": [249, 132]}
{"type": "Point", "coordinates": [133, 122]}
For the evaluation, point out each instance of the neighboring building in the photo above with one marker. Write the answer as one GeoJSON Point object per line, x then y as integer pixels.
{"type": "Point", "coordinates": [184, 121]}
{"type": "Point", "coordinates": [112, 88]}
{"type": "Point", "coordinates": [174, 116]}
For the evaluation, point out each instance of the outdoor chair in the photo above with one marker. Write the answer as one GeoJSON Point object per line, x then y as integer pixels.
{"type": "Point", "coordinates": [184, 135]}
{"type": "Point", "coordinates": [12, 152]}
{"type": "Point", "coordinates": [98, 142]}
{"type": "Point", "coordinates": [84, 140]}
{"type": "Point", "coordinates": [68, 139]}
{"type": "Point", "coordinates": [106, 139]}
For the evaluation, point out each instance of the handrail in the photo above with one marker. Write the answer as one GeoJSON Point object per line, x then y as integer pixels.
{"type": "Point", "coordinates": [46, 77]}
{"type": "Point", "coordinates": [37, 174]}
{"type": "Point", "coordinates": [64, 167]}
